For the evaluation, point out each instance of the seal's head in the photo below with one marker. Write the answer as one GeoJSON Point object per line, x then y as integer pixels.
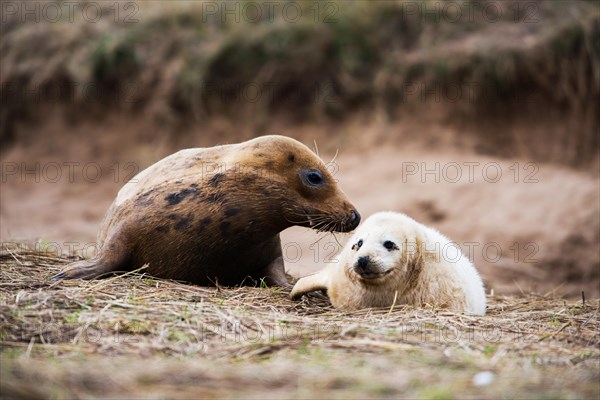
{"type": "Point", "coordinates": [309, 194]}
{"type": "Point", "coordinates": [382, 249]}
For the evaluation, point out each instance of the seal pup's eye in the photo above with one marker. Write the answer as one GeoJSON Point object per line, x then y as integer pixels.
{"type": "Point", "coordinates": [312, 177]}
{"type": "Point", "coordinates": [357, 245]}
{"type": "Point", "coordinates": [390, 245]}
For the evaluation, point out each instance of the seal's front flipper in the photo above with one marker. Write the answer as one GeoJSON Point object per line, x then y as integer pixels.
{"type": "Point", "coordinates": [275, 274]}
{"type": "Point", "coordinates": [309, 283]}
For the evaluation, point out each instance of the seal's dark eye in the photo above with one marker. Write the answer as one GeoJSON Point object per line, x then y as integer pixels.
{"type": "Point", "coordinates": [357, 245]}
{"type": "Point", "coordinates": [390, 245]}
{"type": "Point", "coordinates": [313, 177]}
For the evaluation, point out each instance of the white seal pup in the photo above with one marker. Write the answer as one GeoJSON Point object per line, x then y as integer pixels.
{"type": "Point", "coordinates": [393, 258]}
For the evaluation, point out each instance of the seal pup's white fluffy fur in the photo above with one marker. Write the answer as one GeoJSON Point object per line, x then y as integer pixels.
{"type": "Point", "coordinates": [393, 258]}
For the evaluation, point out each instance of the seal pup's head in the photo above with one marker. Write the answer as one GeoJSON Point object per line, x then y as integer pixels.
{"type": "Point", "coordinates": [386, 248]}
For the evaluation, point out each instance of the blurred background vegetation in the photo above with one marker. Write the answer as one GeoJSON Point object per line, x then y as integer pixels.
{"type": "Point", "coordinates": [493, 63]}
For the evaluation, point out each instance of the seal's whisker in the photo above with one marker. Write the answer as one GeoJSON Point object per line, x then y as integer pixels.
{"type": "Point", "coordinates": [336, 239]}
{"type": "Point", "coordinates": [338, 227]}
{"type": "Point", "coordinates": [335, 156]}
{"type": "Point", "coordinates": [329, 226]}
{"type": "Point", "coordinates": [304, 219]}
{"type": "Point", "coordinates": [319, 225]}
{"type": "Point", "coordinates": [324, 226]}
{"type": "Point", "coordinates": [316, 221]}
{"type": "Point", "coordinates": [321, 238]}
{"type": "Point", "coordinates": [301, 222]}
{"type": "Point", "coordinates": [316, 215]}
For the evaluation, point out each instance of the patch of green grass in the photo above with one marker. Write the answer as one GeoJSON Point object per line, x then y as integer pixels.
{"type": "Point", "coordinates": [114, 57]}
{"type": "Point", "coordinates": [177, 336]}
{"type": "Point", "coordinates": [135, 326]}
{"type": "Point", "coordinates": [555, 320]}
{"type": "Point", "coordinates": [150, 282]}
{"type": "Point", "coordinates": [73, 317]}
{"type": "Point", "coordinates": [489, 351]}
{"type": "Point", "coordinates": [436, 393]}
{"type": "Point", "coordinates": [8, 352]}
{"type": "Point", "coordinates": [45, 246]}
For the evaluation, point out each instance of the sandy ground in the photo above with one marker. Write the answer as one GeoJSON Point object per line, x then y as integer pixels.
{"type": "Point", "coordinates": [527, 226]}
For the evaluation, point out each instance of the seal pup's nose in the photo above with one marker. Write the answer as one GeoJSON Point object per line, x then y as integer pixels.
{"type": "Point", "coordinates": [362, 263]}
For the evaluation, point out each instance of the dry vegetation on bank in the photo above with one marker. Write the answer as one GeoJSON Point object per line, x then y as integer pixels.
{"type": "Point", "coordinates": [144, 337]}
{"type": "Point", "coordinates": [181, 63]}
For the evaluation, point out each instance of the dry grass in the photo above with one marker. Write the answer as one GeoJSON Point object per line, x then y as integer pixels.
{"type": "Point", "coordinates": [144, 337]}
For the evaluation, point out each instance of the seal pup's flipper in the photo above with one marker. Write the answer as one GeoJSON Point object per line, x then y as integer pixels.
{"type": "Point", "coordinates": [309, 284]}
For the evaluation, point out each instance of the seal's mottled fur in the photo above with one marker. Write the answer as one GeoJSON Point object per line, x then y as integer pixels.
{"type": "Point", "coordinates": [213, 215]}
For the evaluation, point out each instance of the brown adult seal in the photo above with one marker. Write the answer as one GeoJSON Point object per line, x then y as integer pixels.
{"type": "Point", "coordinates": [213, 215]}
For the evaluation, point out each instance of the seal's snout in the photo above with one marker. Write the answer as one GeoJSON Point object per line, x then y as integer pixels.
{"type": "Point", "coordinates": [354, 218]}
{"type": "Point", "coordinates": [368, 268]}
{"type": "Point", "coordinates": [352, 221]}
{"type": "Point", "coordinates": [363, 267]}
